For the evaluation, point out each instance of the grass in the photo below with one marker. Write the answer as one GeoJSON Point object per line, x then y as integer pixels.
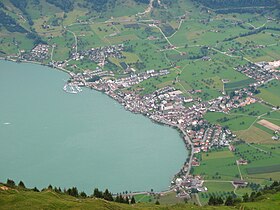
{"type": "Point", "coordinates": [265, 176]}
{"type": "Point", "coordinates": [234, 122]}
{"type": "Point", "coordinates": [218, 166]}
{"type": "Point", "coordinates": [268, 202]}
{"type": "Point", "coordinates": [170, 198]}
{"type": "Point", "coordinates": [231, 86]}
{"type": "Point", "coordinates": [264, 169]}
{"type": "Point", "coordinates": [256, 135]}
{"type": "Point", "coordinates": [207, 75]}
{"type": "Point", "coordinates": [217, 155]}
{"type": "Point", "coordinates": [259, 156]}
{"type": "Point", "coordinates": [150, 85]}
{"type": "Point", "coordinates": [24, 199]}
{"type": "Point", "coordinates": [270, 93]}
{"type": "Point", "coordinates": [222, 189]}
{"type": "Point", "coordinates": [255, 109]}
{"type": "Point", "coordinates": [144, 198]}
{"type": "Point", "coordinates": [129, 59]}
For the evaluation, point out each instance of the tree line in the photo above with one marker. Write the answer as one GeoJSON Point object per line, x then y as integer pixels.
{"type": "Point", "coordinates": [256, 31]}
{"type": "Point", "coordinates": [73, 191]}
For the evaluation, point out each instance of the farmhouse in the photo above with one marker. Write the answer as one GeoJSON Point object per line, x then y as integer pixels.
{"type": "Point", "coordinates": [242, 162]}
{"type": "Point", "coordinates": [240, 183]}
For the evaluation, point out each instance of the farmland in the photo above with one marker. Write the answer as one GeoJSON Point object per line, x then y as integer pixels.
{"type": "Point", "coordinates": [213, 169]}
{"type": "Point", "coordinates": [264, 169]}
{"type": "Point", "coordinates": [245, 122]}
{"type": "Point", "coordinates": [231, 86]}
{"type": "Point", "coordinates": [218, 168]}
{"type": "Point", "coordinates": [270, 92]}
{"type": "Point", "coordinates": [222, 189]}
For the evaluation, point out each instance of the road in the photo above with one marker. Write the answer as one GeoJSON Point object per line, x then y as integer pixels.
{"type": "Point", "coordinates": [76, 40]}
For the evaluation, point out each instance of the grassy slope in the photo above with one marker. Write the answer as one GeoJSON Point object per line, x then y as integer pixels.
{"type": "Point", "coordinates": [13, 199]}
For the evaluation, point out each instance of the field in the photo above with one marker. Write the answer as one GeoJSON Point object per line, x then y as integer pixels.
{"type": "Point", "coordinates": [269, 125]}
{"type": "Point", "coordinates": [213, 167]}
{"type": "Point", "coordinates": [256, 135]}
{"type": "Point", "coordinates": [222, 189]}
{"type": "Point", "coordinates": [218, 168]}
{"type": "Point", "coordinates": [261, 158]}
{"type": "Point", "coordinates": [270, 93]}
{"type": "Point", "coordinates": [231, 86]}
{"type": "Point", "coordinates": [264, 169]}
{"type": "Point", "coordinates": [232, 121]}
{"type": "Point", "coordinates": [244, 122]}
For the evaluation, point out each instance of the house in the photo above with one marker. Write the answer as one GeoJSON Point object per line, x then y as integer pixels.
{"type": "Point", "coordinates": [242, 162]}
{"type": "Point", "coordinates": [240, 183]}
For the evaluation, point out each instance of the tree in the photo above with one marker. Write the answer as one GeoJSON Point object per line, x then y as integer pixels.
{"type": "Point", "coordinates": [132, 200]}
{"type": "Point", "coordinates": [246, 197]}
{"type": "Point", "coordinates": [83, 194]}
{"type": "Point", "coordinates": [121, 198]}
{"type": "Point", "coordinates": [21, 184]}
{"type": "Point", "coordinates": [126, 200]}
{"type": "Point", "coordinates": [35, 189]}
{"type": "Point", "coordinates": [229, 201]}
{"type": "Point", "coordinates": [220, 201]}
{"type": "Point", "coordinates": [107, 195]}
{"type": "Point", "coordinates": [73, 192]}
{"type": "Point", "coordinates": [97, 193]}
{"type": "Point", "coordinates": [157, 202]}
{"type": "Point", "coordinates": [11, 183]}
{"type": "Point", "coordinates": [211, 201]}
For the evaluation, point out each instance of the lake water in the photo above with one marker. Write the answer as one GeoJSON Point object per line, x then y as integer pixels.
{"type": "Point", "coordinates": [85, 140]}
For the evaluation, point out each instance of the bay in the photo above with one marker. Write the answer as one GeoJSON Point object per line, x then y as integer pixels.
{"type": "Point", "coordinates": [85, 140]}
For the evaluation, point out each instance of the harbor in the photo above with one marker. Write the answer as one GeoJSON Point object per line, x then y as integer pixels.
{"type": "Point", "coordinates": [72, 88]}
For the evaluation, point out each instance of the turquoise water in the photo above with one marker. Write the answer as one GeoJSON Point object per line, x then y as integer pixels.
{"type": "Point", "coordinates": [85, 140]}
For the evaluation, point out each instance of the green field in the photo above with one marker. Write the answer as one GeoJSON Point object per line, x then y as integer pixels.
{"type": "Point", "coordinates": [231, 86]}
{"type": "Point", "coordinates": [222, 189]}
{"type": "Point", "coordinates": [257, 134]}
{"type": "Point", "coordinates": [232, 121]}
{"type": "Point", "coordinates": [259, 156]}
{"type": "Point", "coordinates": [244, 122]}
{"type": "Point", "coordinates": [264, 169]}
{"type": "Point", "coordinates": [255, 109]}
{"type": "Point", "coordinates": [270, 93]}
{"type": "Point", "coordinates": [213, 167]}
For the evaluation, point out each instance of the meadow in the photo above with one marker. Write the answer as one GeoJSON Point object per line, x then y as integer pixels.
{"type": "Point", "coordinates": [270, 93]}
{"type": "Point", "coordinates": [213, 167]}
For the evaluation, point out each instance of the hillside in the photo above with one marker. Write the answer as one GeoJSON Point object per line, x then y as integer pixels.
{"type": "Point", "coordinates": [24, 199]}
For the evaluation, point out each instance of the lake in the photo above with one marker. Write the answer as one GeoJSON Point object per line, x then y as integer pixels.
{"type": "Point", "coordinates": [85, 140]}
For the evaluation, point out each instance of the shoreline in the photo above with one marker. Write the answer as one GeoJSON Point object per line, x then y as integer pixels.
{"type": "Point", "coordinates": [183, 135]}
{"type": "Point", "coordinates": [38, 63]}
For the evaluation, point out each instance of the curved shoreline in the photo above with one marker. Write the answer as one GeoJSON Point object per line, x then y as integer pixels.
{"type": "Point", "coordinates": [186, 140]}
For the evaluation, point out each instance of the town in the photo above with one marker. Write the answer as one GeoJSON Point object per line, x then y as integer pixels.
{"type": "Point", "coordinates": [167, 105]}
